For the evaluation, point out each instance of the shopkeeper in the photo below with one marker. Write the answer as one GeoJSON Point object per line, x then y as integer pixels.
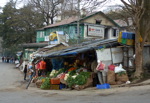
{"type": "Point", "coordinates": [101, 72]}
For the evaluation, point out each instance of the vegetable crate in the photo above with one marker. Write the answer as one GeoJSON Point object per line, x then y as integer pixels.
{"type": "Point", "coordinates": [55, 80]}
{"type": "Point", "coordinates": [54, 87]}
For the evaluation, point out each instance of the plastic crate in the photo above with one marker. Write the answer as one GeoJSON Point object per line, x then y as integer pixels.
{"type": "Point", "coordinates": [54, 87]}
{"type": "Point", "coordinates": [124, 41]}
{"type": "Point", "coordinates": [55, 80]}
{"type": "Point", "coordinates": [61, 86]}
{"type": "Point", "coordinates": [130, 42]}
{"type": "Point", "coordinates": [130, 36]}
{"type": "Point", "coordinates": [120, 35]}
{"type": "Point", "coordinates": [103, 86]}
{"type": "Point", "coordinates": [119, 40]}
{"type": "Point", "coordinates": [124, 35]}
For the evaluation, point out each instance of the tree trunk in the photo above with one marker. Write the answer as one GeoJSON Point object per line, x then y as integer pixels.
{"type": "Point", "coordinates": [142, 29]}
{"type": "Point", "coordinates": [138, 60]}
{"type": "Point", "coordinates": [139, 45]}
{"type": "Point", "coordinates": [52, 21]}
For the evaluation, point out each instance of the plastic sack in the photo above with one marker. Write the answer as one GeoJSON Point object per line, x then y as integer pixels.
{"type": "Point", "coordinates": [111, 67]}
{"type": "Point", "coordinates": [100, 66]}
{"type": "Point", "coordinates": [119, 69]}
{"type": "Point", "coordinates": [61, 76]}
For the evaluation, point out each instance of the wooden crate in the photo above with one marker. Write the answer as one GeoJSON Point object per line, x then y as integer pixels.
{"type": "Point", "coordinates": [54, 87]}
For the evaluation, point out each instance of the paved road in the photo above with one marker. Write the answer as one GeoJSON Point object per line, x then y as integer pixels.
{"type": "Point", "coordinates": [12, 91]}
{"type": "Point", "coordinates": [9, 75]}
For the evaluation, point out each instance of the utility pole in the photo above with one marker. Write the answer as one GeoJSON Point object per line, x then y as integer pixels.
{"type": "Point", "coordinates": [78, 23]}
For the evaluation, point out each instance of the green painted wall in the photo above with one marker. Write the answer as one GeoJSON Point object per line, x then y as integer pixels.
{"type": "Point", "coordinates": [71, 30]}
{"type": "Point", "coordinates": [27, 52]}
{"type": "Point", "coordinates": [40, 36]}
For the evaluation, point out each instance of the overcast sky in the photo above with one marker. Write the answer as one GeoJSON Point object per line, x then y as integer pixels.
{"type": "Point", "coordinates": [3, 2]}
{"type": "Point", "coordinates": [108, 4]}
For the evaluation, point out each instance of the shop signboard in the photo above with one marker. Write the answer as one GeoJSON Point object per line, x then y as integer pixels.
{"type": "Point", "coordinates": [113, 54]}
{"type": "Point", "coordinates": [96, 31]}
{"type": "Point", "coordinates": [103, 55]}
{"type": "Point", "coordinates": [46, 38]}
{"type": "Point", "coordinates": [57, 37]}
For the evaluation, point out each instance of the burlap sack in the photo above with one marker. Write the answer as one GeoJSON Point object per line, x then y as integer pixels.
{"type": "Point", "coordinates": [63, 81]}
{"type": "Point", "coordinates": [111, 77]}
{"type": "Point", "coordinates": [34, 80]}
{"type": "Point", "coordinates": [122, 78]}
{"type": "Point", "coordinates": [89, 83]}
{"type": "Point", "coordinates": [38, 83]}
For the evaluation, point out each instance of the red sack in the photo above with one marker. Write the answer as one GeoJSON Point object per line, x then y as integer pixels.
{"type": "Point", "coordinates": [101, 66]}
{"type": "Point", "coordinates": [111, 67]}
{"type": "Point", "coordinates": [61, 76]}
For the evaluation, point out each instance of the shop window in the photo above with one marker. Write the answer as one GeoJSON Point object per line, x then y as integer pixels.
{"type": "Point", "coordinates": [115, 32]}
{"type": "Point", "coordinates": [41, 34]}
{"type": "Point", "coordinates": [77, 30]}
{"type": "Point", "coordinates": [98, 21]}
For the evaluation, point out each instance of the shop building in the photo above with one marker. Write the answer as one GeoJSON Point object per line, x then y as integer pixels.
{"type": "Point", "coordinates": [96, 25]}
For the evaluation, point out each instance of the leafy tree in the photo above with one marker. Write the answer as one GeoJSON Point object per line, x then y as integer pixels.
{"type": "Point", "coordinates": [19, 25]}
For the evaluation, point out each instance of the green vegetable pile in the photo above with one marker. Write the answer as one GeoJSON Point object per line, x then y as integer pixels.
{"type": "Point", "coordinates": [70, 81]}
{"type": "Point", "coordinates": [122, 73]}
{"type": "Point", "coordinates": [72, 72]}
{"type": "Point", "coordinates": [46, 84]}
{"type": "Point", "coordinates": [80, 79]}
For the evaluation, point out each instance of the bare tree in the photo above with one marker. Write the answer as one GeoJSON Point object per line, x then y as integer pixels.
{"type": "Point", "coordinates": [91, 5]}
{"type": "Point", "coordinates": [139, 11]}
{"type": "Point", "coordinates": [49, 8]}
{"type": "Point", "coordinates": [70, 7]}
{"type": "Point", "coordinates": [121, 13]}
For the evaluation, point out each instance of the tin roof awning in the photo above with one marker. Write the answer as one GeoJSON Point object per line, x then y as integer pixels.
{"type": "Point", "coordinates": [73, 51]}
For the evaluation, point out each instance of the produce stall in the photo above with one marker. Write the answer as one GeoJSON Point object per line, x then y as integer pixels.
{"type": "Point", "coordinates": [78, 67]}
{"type": "Point", "coordinates": [67, 72]}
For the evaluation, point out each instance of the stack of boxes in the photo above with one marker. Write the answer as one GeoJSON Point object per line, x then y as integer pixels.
{"type": "Point", "coordinates": [55, 84]}
{"type": "Point", "coordinates": [126, 38]}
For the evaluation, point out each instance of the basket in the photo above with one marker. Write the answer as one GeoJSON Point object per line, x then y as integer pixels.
{"type": "Point", "coordinates": [103, 86]}
{"type": "Point", "coordinates": [55, 80]}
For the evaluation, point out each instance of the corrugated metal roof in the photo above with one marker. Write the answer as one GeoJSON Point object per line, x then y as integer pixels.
{"type": "Point", "coordinates": [123, 23]}
{"type": "Point", "coordinates": [63, 22]}
{"type": "Point", "coordinates": [73, 19]}
{"type": "Point", "coordinates": [28, 45]}
{"type": "Point", "coordinates": [81, 48]}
